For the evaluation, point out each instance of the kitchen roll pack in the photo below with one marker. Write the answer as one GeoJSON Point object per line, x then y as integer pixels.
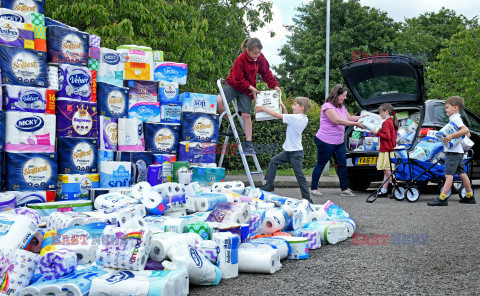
{"type": "Point", "coordinates": [77, 155]}
{"type": "Point", "coordinates": [67, 46]}
{"type": "Point", "coordinates": [76, 118]}
{"type": "Point", "coordinates": [111, 66]}
{"type": "Point", "coordinates": [196, 152]}
{"type": "Point", "coordinates": [29, 132]}
{"type": "Point", "coordinates": [107, 133]}
{"type": "Point", "coordinates": [76, 186]}
{"type": "Point", "coordinates": [198, 103]}
{"type": "Point", "coordinates": [23, 67]}
{"type": "Point", "coordinates": [228, 253]}
{"type": "Point", "coordinates": [199, 127]}
{"type": "Point", "coordinates": [115, 174]}
{"type": "Point", "coordinates": [253, 260]}
{"type": "Point", "coordinates": [26, 99]}
{"type": "Point", "coordinates": [130, 135]}
{"type": "Point", "coordinates": [75, 82]}
{"type": "Point", "coordinates": [112, 100]}
{"type": "Point", "coordinates": [172, 72]}
{"type": "Point", "coordinates": [31, 171]}
{"type": "Point", "coordinates": [161, 137]}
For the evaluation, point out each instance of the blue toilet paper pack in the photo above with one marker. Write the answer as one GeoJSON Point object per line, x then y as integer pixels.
{"type": "Point", "coordinates": [145, 111]}
{"type": "Point", "coordinates": [67, 46]}
{"type": "Point", "coordinates": [199, 103]}
{"type": "Point", "coordinates": [25, 6]}
{"type": "Point", "coordinates": [76, 186]}
{"type": "Point", "coordinates": [31, 171]}
{"type": "Point", "coordinates": [168, 71]}
{"type": "Point", "coordinates": [171, 112]}
{"type": "Point", "coordinates": [161, 137]}
{"type": "Point", "coordinates": [195, 152]}
{"type": "Point", "coordinates": [197, 127]}
{"type": "Point", "coordinates": [77, 155]}
{"type": "Point", "coordinates": [112, 100]}
{"type": "Point", "coordinates": [115, 174]}
{"type": "Point", "coordinates": [23, 67]}
{"type": "Point", "coordinates": [26, 99]}
{"type": "Point", "coordinates": [168, 92]}
{"type": "Point", "coordinates": [75, 82]}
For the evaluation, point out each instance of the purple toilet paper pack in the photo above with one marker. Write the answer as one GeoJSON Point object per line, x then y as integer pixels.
{"type": "Point", "coordinates": [77, 155]}
{"type": "Point", "coordinates": [31, 171]}
{"type": "Point", "coordinates": [112, 100]}
{"type": "Point", "coordinates": [75, 82]}
{"type": "Point", "coordinates": [26, 99]}
{"type": "Point", "coordinates": [142, 91]}
{"type": "Point", "coordinates": [161, 137]}
{"type": "Point", "coordinates": [23, 67]}
{"type": "Point", "coordinates": [76, 118]}
{"type": "Point", "coordinates": [67, 46]}
{"type": "Point", "coordinates": [107, 133]}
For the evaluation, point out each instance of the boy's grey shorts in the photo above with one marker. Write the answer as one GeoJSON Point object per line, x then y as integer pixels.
{"type": "Point", "coordinates": [244, 102]}
{"type": "Point", "coordinates": [454, 164]}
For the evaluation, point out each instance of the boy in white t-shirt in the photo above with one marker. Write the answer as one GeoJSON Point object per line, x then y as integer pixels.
{"type": "Point", "coordinates": [454, 155]}
{"type": "Point", "coordinates": [293, 149]}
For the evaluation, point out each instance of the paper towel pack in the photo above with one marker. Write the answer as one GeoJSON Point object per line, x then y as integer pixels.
{"type": "Point", "coordinates": [161, 137]}
{"type": "Point", "coordinates": [29, 132]}
{"type": "Point", "coordinates": [16, 34]}
{"type": "Point", "coordinates": [67, 46]}
{"type": "Point", "coordinates": [107, 133]}
{"type": "Point", "coordinates": [112, 100]}
{"type": "Point", "coordinates": [198, 103]}
{"type": "Point", "coordinates": [168, 71]}
{"type": "Point", "coordinates": [15, 16]}
{"type": "Point", "coordinates": [199, 127]}
{"type": "Point", "coordinates": [26, 99]}
{"type": "Point", "coordinates": [75, 82]}
{"type": "Point", "coordinates": [31, 171]}
{"type": "Point", "coordinates": [23, 67]}
{"type": "Point", "coordinates": [77, 155]}
{"type": "Point", "coordinates": [167, 92]}
{"type": "Point", "coordinates": [25, 6]}
{"type": "Point", "coordinates": [111, 66]}
{"type": "Point", "coordinates": [76, 118]}
{"type": "Point", "coordinates": [130, 135]}
{"type": "Point", "coordinates": [139, 64]}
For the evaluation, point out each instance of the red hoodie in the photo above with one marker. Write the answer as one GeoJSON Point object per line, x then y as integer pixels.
{"type": "Point", "coordinates": [244, 73]}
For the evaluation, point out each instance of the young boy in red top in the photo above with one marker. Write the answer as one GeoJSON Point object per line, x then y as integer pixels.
{"type": "Point", "coordinates": [242, 82]}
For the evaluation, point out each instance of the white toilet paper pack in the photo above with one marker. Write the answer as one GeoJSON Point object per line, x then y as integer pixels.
{"type": "Point", "coordinates": [107, 133]}
{"type": "Point", "coordinates": [161, 137]}
{"type": "Point", "coordinates": [15, 16]}
{"type": "Point", "coordinates": [130, 135]}
{"type": "Point", "coordinates": [111, 66]}
{"type": "Point", "coordinates": [25, 6]}
{"type": "Point", "coordinates": [76, 118]}
{"type": "Point", "coordinates": [29, 132]}
{"type": "Point", "coordinates": [67, 46]}
{"type": "Point", "coordinates": [196, 152]}
{"type": "Point", "coordinates": [56, 264]}
{"type": "Point", "coordinates": [115, 174]}
{"type": "Point", "coordinates": [172, 72]}
{"type": "Point", "coordinates": [23, 198]}
{"type": "Point", "coordinates": [271, 100]}
{"type": "Point", "coordinates": [112, 100]}
{"type": "Point", "coordinates": [253, 260]}
{"type": "Point", "coordinates": [24, 67]}
{"type": "Point", "coordinates": [31, 171]}
{"type": "Point", "coordinates": [77, 155]}
{"type": "Point", "coordinates": [168, 92]}
{"type": "Point", "coordinates": [198, 103]}
{"type": "Point", "coordinates": [198, 127]}
{"type": "Point", "coordinates": [16, 231]}
{"type": "Point", "coordinates": [26, 99]}
{"type": "Point", "coordinates": [75, 82]}
{"type": "Point", "coordinates": [76, 186]}
{"type": "Point", "coordinates": [171, 112]}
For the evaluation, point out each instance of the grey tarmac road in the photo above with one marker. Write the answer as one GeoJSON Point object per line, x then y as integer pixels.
{"type": "Point", "coordinates": [400, 248]}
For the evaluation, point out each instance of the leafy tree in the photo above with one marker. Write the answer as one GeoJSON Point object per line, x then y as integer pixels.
{"type": "Point", "coordinates": [355, 31]}
{"type": "Point", "coordinates": [205, 34]}
{"type": "Point", "coordinates": [456, 72]}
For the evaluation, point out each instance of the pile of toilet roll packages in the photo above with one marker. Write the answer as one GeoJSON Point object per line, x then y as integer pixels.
{"type": "Point", "coordinates": [110, 181]}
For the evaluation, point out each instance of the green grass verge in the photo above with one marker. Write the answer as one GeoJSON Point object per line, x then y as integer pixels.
{"type": "Point", "coordinates": [283, 172]}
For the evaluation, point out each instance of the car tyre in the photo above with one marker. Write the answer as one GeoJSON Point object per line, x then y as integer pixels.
{"type": "Point", "coordinates": [358, 184]}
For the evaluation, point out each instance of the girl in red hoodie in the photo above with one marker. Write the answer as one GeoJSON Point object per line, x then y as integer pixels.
{"type": "Point", "coordinates": [388, 141]}
{"type": "Point", "coordinates": [242, 82]}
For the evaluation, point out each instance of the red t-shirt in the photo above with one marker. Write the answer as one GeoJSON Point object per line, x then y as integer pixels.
{"type": "Point", "coordinates": [388, 136]}
{"type": "Point", "coordinates": [244, 73]}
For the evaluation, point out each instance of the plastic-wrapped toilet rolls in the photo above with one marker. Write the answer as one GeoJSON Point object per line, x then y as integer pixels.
{"type": "Point", "coordinates": [161, 243]}
{"type": "Point", "coordinates": [7, 201]}
{"type": "Point", "coordinates": [200, 270]}
{"type": "Point", "coordinates": [317, 216]}
{"type": "Point", "coordinates": [314, 238]}
{"type": "Point", "coordinates": [297, 220]}
{"type": "Point", "coordinates": [349, 223]}
{"type": "Point", "coordinates": [152, 200]}
{"type": "Point", "coordinates": [56, 264]}
{"type": "Point", "coordinates": [209, 249]}
{"type": "Point", "coordinates": [276, 219]}
{"type": "Point", "coordinates": [258, 260]}
{"type": "Point", "coordinates": [16, 231]}
{"type": "Point", "coordinates": [230, 213]}
{"type": "Point", "coordinates": [332, 232]}
{"type": "Point", "coordinates": [228, 253]}
{"type": "Point", "coordinates": [175, 225]}
{"type": "Point", "coordinates": [235, 186]}
{"type": "Point", "coordinates": [61, 220]}
{"type": "Point", "coordinates": [18, 268]}
{"type": "Point", "coordinates": [298, 247]}
{"type": "Point", "coordinates": [333, 211]}
{"type": "Point", "coordinates": [201, 228]}
{"type": "Point", "coordinates": [275, 243]}
{"type": "Point", "coordinates": [112, 200]}
{"type": "Point", "coordinates": [36, 243]}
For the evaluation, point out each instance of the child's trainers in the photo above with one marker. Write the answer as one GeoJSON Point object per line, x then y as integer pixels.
{"type": "Point", "coordinates": [437, 202]}
{"type": "Point", "coordinates": [470, 200]}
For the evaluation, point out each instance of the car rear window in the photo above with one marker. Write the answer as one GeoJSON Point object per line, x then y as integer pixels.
{"type": "Point", "coordinates": [387, 86]}
{"type": "Point", "coordinates": [440, 116]}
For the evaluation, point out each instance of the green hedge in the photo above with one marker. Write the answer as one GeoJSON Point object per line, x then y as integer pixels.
{"type": "Point", "coordinates": [268, 138]}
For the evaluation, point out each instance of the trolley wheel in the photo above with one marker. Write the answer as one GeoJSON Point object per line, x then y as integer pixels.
{"type": "Point", "coordinates": [440, 189]}
{"type": "Point", "coordinates": [457, 187]}
{"type": "Point", "coordinates": [412, 194]}
{"type": "Point", "coordinates": [462, 193]}
{"type": "Point", "coordinates": [398, 192]}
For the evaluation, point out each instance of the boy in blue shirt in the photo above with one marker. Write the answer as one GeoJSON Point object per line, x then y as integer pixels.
{"type": "Point", "coordinates": [454, 155]}
{"type": "Point", "coordinates": [293, 149]}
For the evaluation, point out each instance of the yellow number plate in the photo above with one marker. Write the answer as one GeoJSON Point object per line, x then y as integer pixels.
{"type": "Point", "coordinates": [366, 160]}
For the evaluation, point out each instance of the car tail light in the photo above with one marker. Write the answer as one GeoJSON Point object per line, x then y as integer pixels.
{"type": "Point", "coordinates": [424, 131]}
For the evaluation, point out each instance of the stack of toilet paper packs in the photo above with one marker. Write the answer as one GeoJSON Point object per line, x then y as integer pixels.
{"type": "Point", "coordinates": [112, 187]}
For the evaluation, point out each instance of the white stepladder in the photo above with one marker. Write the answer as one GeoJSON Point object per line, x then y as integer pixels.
{"type": "Point", "coordinates": [232, 131]}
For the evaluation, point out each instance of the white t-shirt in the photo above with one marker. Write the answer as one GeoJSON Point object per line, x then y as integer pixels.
{"type": "Point", "coordinates": [296, 123]}
{"type": "Point", "coordinates": [455, 118]}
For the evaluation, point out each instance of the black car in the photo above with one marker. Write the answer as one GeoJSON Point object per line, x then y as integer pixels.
{"type": "Point", "coordinates": [399, 81]}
